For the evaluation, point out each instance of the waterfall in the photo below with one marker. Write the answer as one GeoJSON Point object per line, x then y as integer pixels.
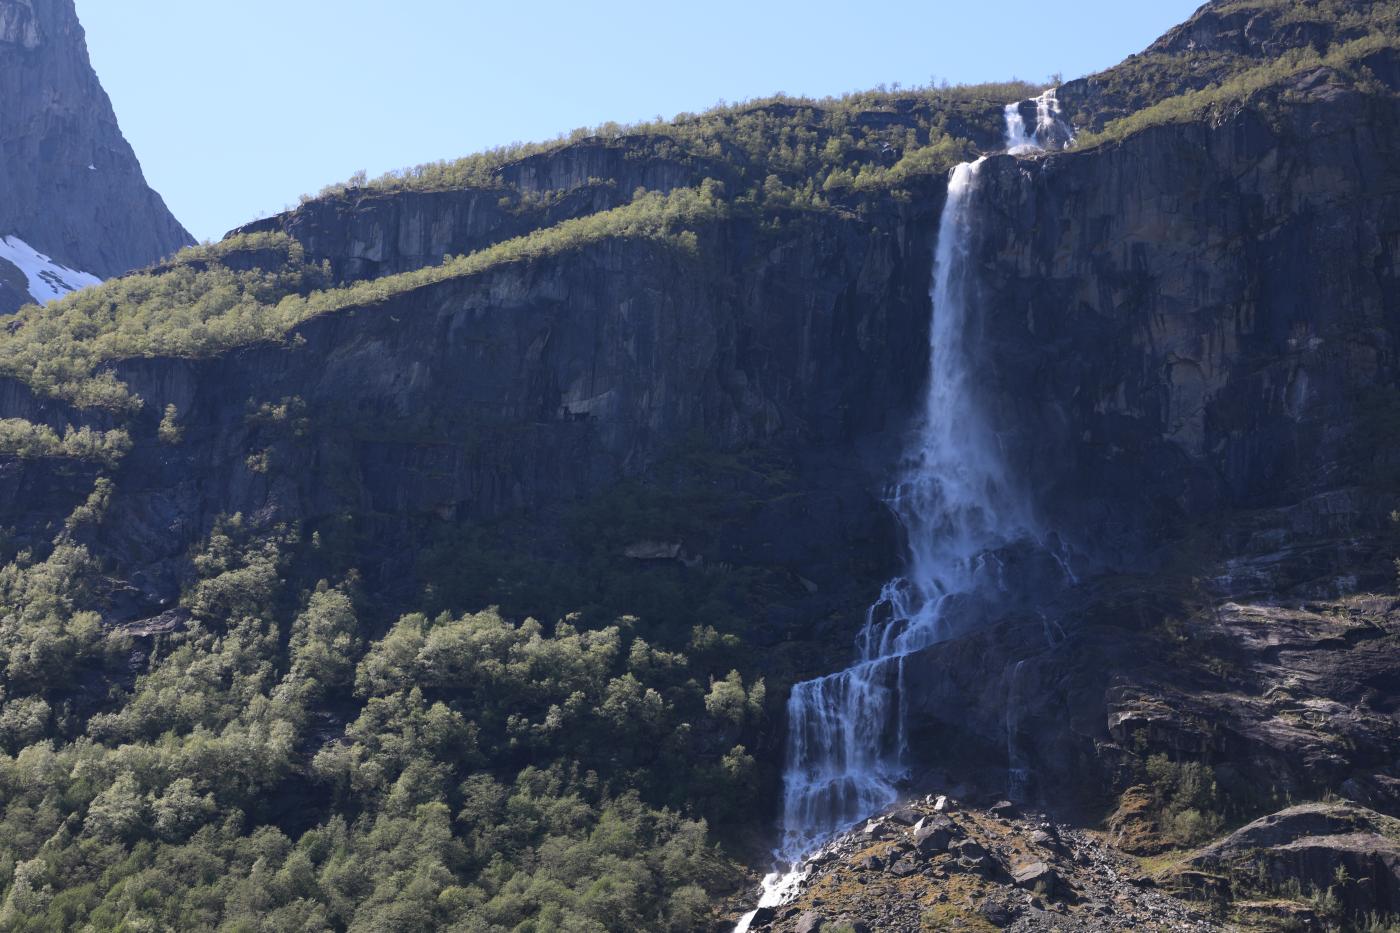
{"type": "Point", "coordinates": [846, 744]}
{"type": "Point", "coordinates": [1049, 132]}
{"type": "Point", "coordinates": [959, 507]}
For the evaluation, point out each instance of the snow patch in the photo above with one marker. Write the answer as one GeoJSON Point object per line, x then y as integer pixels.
{"type": "Point", "coordinates": [47, 279]}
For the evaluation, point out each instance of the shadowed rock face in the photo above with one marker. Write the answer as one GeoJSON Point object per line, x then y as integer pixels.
{"type": "Point", "coordinates": [1200, 316]}
{"type": "Point", "coordinates": [70, 185]}
{"type": "Point", "coordinates": [543, 383]}
{"type": "Point", "coordinates": [1192, 336]}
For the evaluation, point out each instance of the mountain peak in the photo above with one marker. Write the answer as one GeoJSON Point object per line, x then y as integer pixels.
{"type": "Point", "coordinates": [71, 188]}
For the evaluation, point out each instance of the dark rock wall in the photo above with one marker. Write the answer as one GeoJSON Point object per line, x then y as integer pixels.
{"type": "Point", "coordinates": [1199, 317]}
{"type": "Point", "coordinates": [367, 233]}
{"type": "Point", "coordinates": [541, 383]}
{"type": "Point", "coordinates": [1190, 337]}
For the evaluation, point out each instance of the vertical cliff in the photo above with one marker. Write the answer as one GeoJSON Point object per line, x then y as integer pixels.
{"type": "Point", "coordinates": [71, 189]}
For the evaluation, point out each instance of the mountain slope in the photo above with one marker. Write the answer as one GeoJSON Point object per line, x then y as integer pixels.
{"type": "Point", "coordinates": [71, 189]}
{"type": "Point", "coordinates": [281, 513]}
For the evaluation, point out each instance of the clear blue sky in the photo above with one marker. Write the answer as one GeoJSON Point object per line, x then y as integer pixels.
{"type": "Point", "coordinates": [236, 107]}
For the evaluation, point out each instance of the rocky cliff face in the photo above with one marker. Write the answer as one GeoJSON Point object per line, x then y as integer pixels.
{"type": "Point", "coordinates": [1189, 338]}
{"type": "Point", "coordinates": [1193, 337]}
{"type": "Point", "coordinates": [70, 185]}
{"type": "Point", "coordinates": [539, 385]}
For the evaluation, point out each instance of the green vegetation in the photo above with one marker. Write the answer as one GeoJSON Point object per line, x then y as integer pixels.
{"type": "Point", "coordinates": [1186, 800]}
{"type": "Point", "coordinates": [169, 430]}
{"type": "Point", "coordinates": [1250, 878]}
{"type": "Point", "coordinates": [780, 135]}
{"type": "Point", "coordinates": [1345, 16]}
{"type": "Point", "coordinates": [1193, 105]}
{"type": "Point", "coordinates": [295, 754]}
{"type": "Point", "coordinates": [20, 438]}
{"type": "Point", "coordinates": [189, 309]}
{"type": "Point", "coordinates": [278, 766]}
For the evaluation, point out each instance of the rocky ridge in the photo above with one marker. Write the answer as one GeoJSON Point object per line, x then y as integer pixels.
{"type": "Point", "coordinates": [934, 864]}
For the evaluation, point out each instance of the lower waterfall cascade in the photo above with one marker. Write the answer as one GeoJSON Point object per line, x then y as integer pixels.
{"type": "Point", "coordinates": [959, 505]}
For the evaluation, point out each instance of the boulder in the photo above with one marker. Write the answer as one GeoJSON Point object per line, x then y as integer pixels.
{"type": "Point", "coordinates": [809, 922]}
{"type": "Point", "coordinates": [977, 865]}
{"type": "Point", "coordinates": [763, 917]}
{"type": "Point", "coordinates": [1378, 791]}
{"type": "Point", "coordinates": [933, 835]}
{"type": "Point", "coordinates": [905, 816]}
{"type": "Point", "coordinates": [970, 848]}
{"type": "Point", "coordinates": [876, 829]}
{"type": "Point", "coordinates": [998, 912]}
{"type": "Point", "coordinates": [903, 868]}
{"type": "Point", "coordinates": [1035, 875]}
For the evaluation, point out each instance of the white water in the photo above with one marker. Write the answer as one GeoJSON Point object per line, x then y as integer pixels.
{"type": "Point", "coordinates": [847, 741]}
{"type": "Point", "coordinates": [1049, 132]}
